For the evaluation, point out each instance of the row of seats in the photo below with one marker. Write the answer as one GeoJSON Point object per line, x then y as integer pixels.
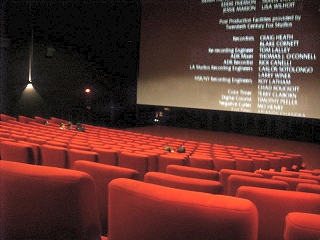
{"type": "Point", "coordinates": [198, 154]}
{"type": "Point", "coordinates": [39, 202]}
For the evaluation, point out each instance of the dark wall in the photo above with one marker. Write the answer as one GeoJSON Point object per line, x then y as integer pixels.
{"type": "Point", "coordinates": [76, 45]}
{"type": "Point", "coordinates": [96, 46]}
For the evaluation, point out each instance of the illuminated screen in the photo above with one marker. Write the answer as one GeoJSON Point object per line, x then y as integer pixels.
{"type": "Point", "coordinates": [256, 56]}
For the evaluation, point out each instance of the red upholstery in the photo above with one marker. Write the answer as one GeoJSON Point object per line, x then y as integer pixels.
{"type": "Point", "coordinates": [220, 163]}
{"type": "Point", "coordinates": [307, 176]}
{"type": "Point", "coordinates": [236, 181]}
{"type": "Point", "coordinates": [307, 187]}
{"type": "Point", "coordinates": [274, 205]}
{"type": "Point", "coordinates": [54, 156]}
{"type": "Point", "coordinates": [102, 174]}
{"type": "Point", "coordinates": [201, 162]}
{"type": "Point", "coordinates": [142, 211]}
{"type": "Point", "coordinates": [244, 164]}
{"type": "Point", "coordinates": [36, 151]}
{"type": "Point", "coordinates": [192, 172]}
{"type": "Point", "coordinates": [225, 173]}
{"type": "Point", "coordinates": [76, 154]}
{"type": "Point", "coordinates": [270, 174]}
{"type": "Point", "coordinates": [300, 225]}
{"type": "Point", "coordinates": [55, 120]}
{"type": "Point", "coordinates": [167, 159]}
{"type": "Point", "coordinates": [106, 156]}
{"type": "Point", "coordinates": [17, 152]}
{"type": "Point", "coordinates": [40, 203]}
{"type": "Point", "coordinates": [192, 184]}
{"type": "Point", "coordinates": [261, 163]}
{"type": "Point", "coordinates": [293, 182]}
{"type": "Point", "coordinates": [138, 162]}
{"type": "Point", "coordinates": [25, 119]}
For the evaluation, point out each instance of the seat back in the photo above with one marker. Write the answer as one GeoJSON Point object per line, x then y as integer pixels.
{"type": "Point", "coordinates": [192, 172]}
{"type": "Point", "coordinates": [102, 175]}
{"type": "Point", "coordinates": [136, 161]}
{"type": "Point", "coordinates": [143, 211]}
{"type": "Point", "coordinates": [273, 206]}
{"type": "Point", "coordinates": [300, 225]}
{"type": "Point", "coordinates": [171, 158]}
{"type": "Point", "coordinates": [307, 187]}
{"type": "Point", "coordinates": [192, 184]}
{"type": "Point", "coordinates": [77, 154]}
{"type": "Point", "coordinates": [106, 156]}
{"type": "Point", "coordinates": [293, 182]}
{"type": "Point", "coordinates": [225, 173]}
{"type": "Point", "coordinates": [39, 202]}
{"type": "Point", "coordinates": [236, 181]}
{"type": "Point", "coordinates": [54, 156]}
{"type": "Point", "coordinates": [17, 152]}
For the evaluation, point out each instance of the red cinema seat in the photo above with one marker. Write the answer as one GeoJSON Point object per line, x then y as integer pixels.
{"type": "Point", "coordinates": [199, 161]}
{"type": "Point", "coordinates": [54, 156]}
{"type": "Point", "coordinates": [102, 175]}
{"type": "Point", "coordinates": [225, 173]}
{"type": "Point", "coordinates": [270, 174]}
{"type": "Point", "coordinates": [236, 181]}
{"type": "Point", "coordinates": [191, 184]}
{"type": "Point", "coordinates": [167, 159]}
{"type": "Point", "coordinates": [300, 225]}
{"type": "Point", "coordinates": [192, 172]}
{"type": "Point", "coordinates": [106, 156]}
{"type": "Point", "coordinates": [273, 206]}
{"type": "Point", "coordinates": [17, 152]}
{"type": "Point", "coordinates": [244, 164]}
{"type": "Point", "coordinates": [223, 162]}
{"type": "Point", "coordinates": [36, 151]}
{"type": "Point", "coordinates": [307, 187]}
{"type": "Point", "coordinates": [293, 182]}
{"type": "Point", "coordinates": [136, 161]}
{"type": "Point", "coordinates": [143, 211]}
{"type": "Point", "coordinates": [261, 163]}
{"type": "Point", "coordinates": [41, 203]}
{"type": "Point", "coordinates": [309, 176]}
{"type": "Point", "coordinates": [25, 119]}
{"type": "Point", "coordinates": [76, 154]}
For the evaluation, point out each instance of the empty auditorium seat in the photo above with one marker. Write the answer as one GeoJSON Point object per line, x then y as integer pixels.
{"type": "Point", "coordinates": [192, 172]}
{"type": "Point", "coordinates": [309, 176]}
{"type": "Point", "coordinates": [41, 203]}
{"type": "Point", "coordinates": [36, 151]}
{"type": "Point", "coordinates": [260, 163]}
{"type": "Point", "coordinates": [102, 174]}
{"type": "Point", "coordinates": [17, 152]}
{"type": "Point", "coordinates": [106, 156]}
{"type": "Point", "coordinates": [223, 162]}
{"type": "Point", "coordinates": [54, 156]}
{"type": "Point", "coordinates": [244, 164]}
{"type": "Point", "coordinates": [236, 181]}
{"type": "Point", "coordinates": [273, 206]}
{"type": "Point", "coordinates": [142, 211]}
{"type": "Point", "coordinates": [167, 159]}
{"type": "Point", "coordinates": [300, 225]}
{"type": "Point", "coordinates": [25, 119]}
{"type": "Point", "coordinates": [225, 173]}
{"type": "Point", "coordinates": [192, 184]}
{"type": "Point", "coordinates": [136, 161]}
{"type": "Point", "coordinates": [76, 154]}
{"type": "Point", "coordinates": [293, 182]}
{"type": "Point", "coordinates": [307, 187]}
{"type": "Point", "coordinates": [201, 161]}
{"type": "Point", "coordinates": [270, 174]}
